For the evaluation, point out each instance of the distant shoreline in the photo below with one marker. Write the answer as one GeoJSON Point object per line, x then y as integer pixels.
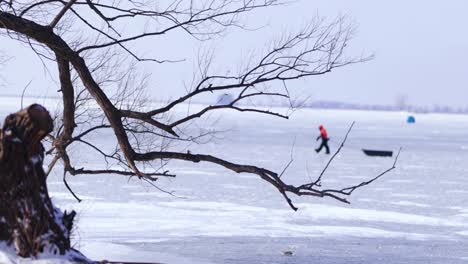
{"type": "Point", "coordinates": [323, 105]}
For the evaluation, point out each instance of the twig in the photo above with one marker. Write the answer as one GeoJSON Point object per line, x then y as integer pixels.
{"type": "Point", "coordinates": [351, 189]}
{"type": "Point", "coordinates": [68, 187]}
{"type": "Point", "coordinates": [24, 91]}
{"type": "Point", "coordinates": [290, 161]}
{"type": "Point", "coordinates": [164, 191]}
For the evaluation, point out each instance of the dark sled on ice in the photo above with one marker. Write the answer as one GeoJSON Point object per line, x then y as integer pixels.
{"type": "Point", "coordinates": [378, 153]}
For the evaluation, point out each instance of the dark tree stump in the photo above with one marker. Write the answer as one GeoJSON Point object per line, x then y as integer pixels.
{"type": "Point", "coordinates": [28, 220]}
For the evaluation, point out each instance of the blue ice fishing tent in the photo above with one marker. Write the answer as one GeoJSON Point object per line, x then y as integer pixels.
{"type": "Point", "coordinates": [411, 120]}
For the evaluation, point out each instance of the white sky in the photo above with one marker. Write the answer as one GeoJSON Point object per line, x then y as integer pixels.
{"type": "Point", "coordinates": [420, 47]}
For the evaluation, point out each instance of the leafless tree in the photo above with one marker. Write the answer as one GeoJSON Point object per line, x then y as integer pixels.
{"type": "Point", "coordinates": [91, 46]}
{"type": "Point", "coordinates": [401, 102]}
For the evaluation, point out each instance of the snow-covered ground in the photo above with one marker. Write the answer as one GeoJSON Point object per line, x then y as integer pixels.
{"type": "Point", "coordinates": [416, 214]}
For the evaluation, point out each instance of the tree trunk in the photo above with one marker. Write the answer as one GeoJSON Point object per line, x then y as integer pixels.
{"type": "Point", "coordinates": [28, 220]}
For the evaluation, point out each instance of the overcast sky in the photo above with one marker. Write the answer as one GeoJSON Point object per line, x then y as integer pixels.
{"type": "Point", "coordinates": [421, 50]}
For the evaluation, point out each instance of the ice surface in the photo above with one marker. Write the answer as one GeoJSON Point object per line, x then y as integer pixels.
{"type": "Point", "coordinates": [415, 214]}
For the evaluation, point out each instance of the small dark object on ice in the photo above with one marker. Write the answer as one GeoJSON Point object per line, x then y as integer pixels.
{"type": "Point", "coordinates": [287, 253]}
{"type": "Point", "coordinates": [379, 153]}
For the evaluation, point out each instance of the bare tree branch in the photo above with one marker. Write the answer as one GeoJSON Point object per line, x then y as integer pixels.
{"type": "Point", "coordinates": [61, 13]}
{"type": "Point", "coordinates": [88, 66]}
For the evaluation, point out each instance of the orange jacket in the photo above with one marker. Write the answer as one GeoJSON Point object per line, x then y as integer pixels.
{"type": "Point", "coordinates": [323, 132]}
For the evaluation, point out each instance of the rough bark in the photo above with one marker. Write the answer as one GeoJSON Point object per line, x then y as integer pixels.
{"type": "Point", "coordinates": [28, 219]}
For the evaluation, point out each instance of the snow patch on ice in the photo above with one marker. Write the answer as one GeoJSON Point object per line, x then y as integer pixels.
{"type": "Point", "coordinates": [367, 200]}
{"type": "Point", "coordinates": [118, 252]}
{"type": "Point", "coordinates": [214, 206]}
{"type": "Point", "coordinates": [408, 203]}
{"type": "Point", "coordinates": [400, 181]}
{"type": "Point", "coordinates": [197, 172]}
{"type": "Point", "coordinates": [409, 195]}
{"type": "Point", "coordinates": [457, 191]}
{"type": "Point", "coordinates": [8, 256]}
{"type": "Point", "coordinates": [199, 218]}
{"type": "Point", "coordinates": [449, 182]}
{"type": "Point", "coordinates": [354, 231]}
{"type": "Point", "coordinates": [233, 186]}
{"type": "Point", "coordinates": [129, 186]}
{"type": "Point", "coordinates": [463, 233]}
{"type": "Point", "coordinates": [354, 177]}
{"type": "Point", "coordinates": [382, 189]}
{"type": "Point", "coordinates": [69, 196]}
{"type": "Point", "coordinates": [319, 211]}
{"type": "Point", "coordinates": [153, 193]}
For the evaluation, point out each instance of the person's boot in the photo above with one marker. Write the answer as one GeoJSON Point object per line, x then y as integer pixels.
{"type": "Point", "coordinates": [316, 150]}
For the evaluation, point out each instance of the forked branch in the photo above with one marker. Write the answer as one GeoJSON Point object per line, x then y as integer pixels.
{"type": "Point", "coordinates": [275, 179]}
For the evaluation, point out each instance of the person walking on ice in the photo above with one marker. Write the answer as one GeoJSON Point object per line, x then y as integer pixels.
{"type": "Point", "coordinates": [324, 136]}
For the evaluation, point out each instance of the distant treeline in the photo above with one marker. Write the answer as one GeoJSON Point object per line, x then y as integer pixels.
{"type": "Point", "coordinates": [375, 107]}
{"type": "Point", "coordinates": [352, 106]}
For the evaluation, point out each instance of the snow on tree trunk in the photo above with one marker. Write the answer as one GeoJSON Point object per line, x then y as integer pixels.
{"type": "Point", "coordinates": [28, 220]}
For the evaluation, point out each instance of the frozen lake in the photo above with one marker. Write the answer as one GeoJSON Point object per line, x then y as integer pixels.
{"type": "Point", "coordinates": [416, 214]}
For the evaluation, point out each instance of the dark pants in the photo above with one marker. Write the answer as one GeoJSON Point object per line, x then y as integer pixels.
{"type": "Point", "coordinates": [324, 144]}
